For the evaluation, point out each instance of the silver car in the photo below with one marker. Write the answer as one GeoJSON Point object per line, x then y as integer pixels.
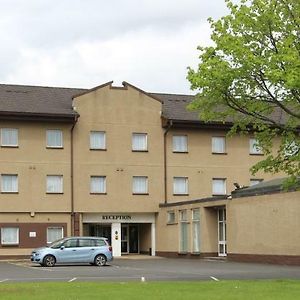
{"type": "Point", "coordinates": [92, 250]}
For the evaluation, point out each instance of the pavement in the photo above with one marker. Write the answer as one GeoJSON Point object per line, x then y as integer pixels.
{"type": "Point", "coordinates": [145, 268]}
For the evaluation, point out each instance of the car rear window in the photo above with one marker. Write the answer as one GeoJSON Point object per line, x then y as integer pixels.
{"type": "Point", "coordinates": [100, 243]}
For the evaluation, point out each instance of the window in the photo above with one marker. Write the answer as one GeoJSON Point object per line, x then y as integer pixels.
{"type": "Point", "coordinates": [291, 148]}
{"type": "Point", "coordinates": [140, 185]}
{"type": "Point", "coordinates": [255, 181]}
{"type": "Point", "coordinates": [180, 186]}
{"type": "Point", "coordinates": [9, 236]}
{"type": "Point", "coordinates": [9, 183]}
{"type": "Point", "coordinates": [196, 230]}
{"type": "Point", "coordinates": [54, 233]}
{"type": "Point", "coordinates": [139, 142]}
{"type": "Point", "coordinates": [9, 137]}
{"type": "Point", "coordinates": [184, 230]}
{"type": "Point", "coordinates": [55, 184]}
{"type": "Point", "coordinates": [218, 144]}
{"type": "Point", "coordinates": [254, 147]}
{"type": "Point", "coordinates": [180, 143]}
{"type": "Point", "coordinates": [54, 138]}
{"type": "Point", "coordinates": [97, 140]}
{"type": "Point", "coordinates": [219, 186]}
{"type": "Point", "coordinates": [98, 185]}
{"type": "Point", "coordinates": [171, 217]}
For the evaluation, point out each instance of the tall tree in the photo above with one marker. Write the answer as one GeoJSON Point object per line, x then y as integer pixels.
{"type": "Point", "coordinates": [251, 77]}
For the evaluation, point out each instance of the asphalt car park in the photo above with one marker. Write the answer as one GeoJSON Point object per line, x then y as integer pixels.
{"type": "Point", "coordinates": [145, 269]}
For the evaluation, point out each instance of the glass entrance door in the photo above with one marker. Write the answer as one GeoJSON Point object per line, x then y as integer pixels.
{"type": "Point", "coordinates": [129, 238]}
{"type": "Point", "coordinates": [222, 245]}
{"type": "Point", "coordinates": [124, 239]}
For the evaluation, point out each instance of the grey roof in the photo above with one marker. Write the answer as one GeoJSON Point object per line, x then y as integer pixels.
{"type": "Point", "coordinates": [37, 99]}
{"type": "Point", "coordinates": [265, 187]}
{"type": "Point", "coordinates": [57, 101]}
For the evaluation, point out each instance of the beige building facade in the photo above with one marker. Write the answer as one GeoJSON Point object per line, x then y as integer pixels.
{"type": "Point", "coordinates": [117, 162]}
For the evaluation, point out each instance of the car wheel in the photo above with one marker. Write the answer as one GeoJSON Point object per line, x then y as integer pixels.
{"type": "Point", "coordinates": [49, 261]}
{"type": "Point", "coordinates": [100, 260]}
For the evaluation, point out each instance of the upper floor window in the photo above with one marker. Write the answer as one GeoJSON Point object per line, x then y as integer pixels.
{"type": "Point", "coordinates": [140, 185]}
{"type": "Point", "coordinates": [55, 184]}
{"type": "Point", "coordinates": [139, 142]}
{"type": "Point", "coordinates": [254, 147]}
{"type": "Point", "coordinates": [97, 140]}
{"type": "Point", "coordinates": [218, 144]}
{"type": "Point", "coordinates": [219, 186]}
{"type": "Point", "coordinates": [9, 183]}
{"type": "Point", "coordinates": [98, 185]}
{"type": "Point", "coordinates": [9, 137]}
{"type": "Point", "coordinates": [180, 143]}
{"type": "Point", "coordinates": [9, 235]}
{"type": "Point", "coordinates": [54, 138]}
{"type": "Point", "coordinates": [180, 186]}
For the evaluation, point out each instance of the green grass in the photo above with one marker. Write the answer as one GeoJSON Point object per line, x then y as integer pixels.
{"type": "Point", "coordinates": [208, 290]}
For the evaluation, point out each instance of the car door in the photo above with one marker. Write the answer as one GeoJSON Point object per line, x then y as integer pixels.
{"type": "Point", "coordinates": [67, 253]}
{"type": "Point", "coordinates": [86, 249]}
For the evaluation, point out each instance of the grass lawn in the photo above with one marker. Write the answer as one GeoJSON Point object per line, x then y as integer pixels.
{"type": "Point", "coordinates": [208, 290]}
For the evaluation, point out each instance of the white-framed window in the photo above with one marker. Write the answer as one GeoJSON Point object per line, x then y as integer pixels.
{"type": "Point", "coordinates": [54, 233]}
{"type": "Point", "coordinates": [180, 143]}
{"type": "Point", "coordinates": [54, 138]}
{"type": "Point", "coordinates": [98, 185]}
{"type": "Point", "coordinates": [140, 185]}
{"type": "Point", "coordinates": [196, 230]}
{"type": "Point", "coordinates": [9, 236]}
{"type": "Point", "coordinates": [171, 217]}
{"type": "Point", "coordinates": [9, 183]}
{"type": "Point", "coordinates": [98, 140]}
{"type": "Point", "coordinates": [184, 231]}
{"type": "Point", "coordinates": [255, 181]}
{"type": "Point", "coordinates": [254, 147]}
{"type": "Point", "coordinates": [9, 137]}
{"type": "Point", "coordinates": [180, 185]}
{"type": "Point", "coordinates": [218, 144]}
{"type": "Point", "coordinates": [219, 186]}
{"type": "Point", "coordinates": [139, 142]}
{"type": "Point", "coordinates": [54, 184]}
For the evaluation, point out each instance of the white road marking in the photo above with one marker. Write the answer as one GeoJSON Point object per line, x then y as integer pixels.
{"type": "Point", "coordinates": [4, 280]}
{"type": "Point", "coordinates": [73, 279]}
{"type": "Point", "coordinates": [214, 278]}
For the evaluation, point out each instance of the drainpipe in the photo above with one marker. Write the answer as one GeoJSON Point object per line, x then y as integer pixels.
{"type": "Point", "coordinates": [72, 179]}
{"type": "Point", "coordinates": [165, 159]}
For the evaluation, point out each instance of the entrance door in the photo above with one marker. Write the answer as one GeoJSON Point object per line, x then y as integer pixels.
{"type": "Point", "coordinates": [222, 245]}
{"type": "Point", "coordinates": [129, 238]}
{"type": "Point", "coordinates": [124, 239]}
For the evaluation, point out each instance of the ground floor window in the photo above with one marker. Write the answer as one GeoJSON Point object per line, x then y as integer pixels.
{"type": "Point", "coordinates": [196, 230]}
{"type": "Point", "coordinates": [9, 236]}
{"type": "Point", "coordinates": [54, 233]}
{"type": "Point", "coordinates": [184, 230]}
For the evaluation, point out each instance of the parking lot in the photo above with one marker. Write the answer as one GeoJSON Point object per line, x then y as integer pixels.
{"type": "Point", "coordinates": [145, 268]}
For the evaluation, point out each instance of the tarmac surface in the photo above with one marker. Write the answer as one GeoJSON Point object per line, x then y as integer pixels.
{"type": "Point", "coordinates": [143, 268]}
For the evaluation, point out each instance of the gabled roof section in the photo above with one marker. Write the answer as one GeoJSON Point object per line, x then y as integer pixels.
{"type": "Point", "coordinates": [87, 91]}
{"type": "Point", "coordinates": [39, 102]}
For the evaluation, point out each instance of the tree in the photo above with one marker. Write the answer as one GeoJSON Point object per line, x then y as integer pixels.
{"type": "Point", "coordinates": [251, 77]}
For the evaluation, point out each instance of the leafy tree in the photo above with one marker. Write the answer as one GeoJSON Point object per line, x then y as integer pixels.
{"type": "Point", "coordinates": [251, 77]}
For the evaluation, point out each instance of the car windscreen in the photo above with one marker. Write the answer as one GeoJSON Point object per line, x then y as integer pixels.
{"type": "Point", "coordinates": [56, 244]}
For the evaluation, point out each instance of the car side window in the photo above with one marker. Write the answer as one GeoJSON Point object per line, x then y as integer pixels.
{"type": "Point", "coordinates": [86, 243]}
{"type": "Point", "coordinates": [100, 243]}
{"type": "Point", "coordinates": [70, 243]}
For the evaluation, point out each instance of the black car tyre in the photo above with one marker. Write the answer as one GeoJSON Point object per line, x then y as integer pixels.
{"type": "Point", "coordinates": [49, 261]}
{"type": "Point", "coordinates": [100, 260]}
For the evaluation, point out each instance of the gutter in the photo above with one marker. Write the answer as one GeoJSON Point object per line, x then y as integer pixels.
{"type": "Point", "coordinates": [165, 161]}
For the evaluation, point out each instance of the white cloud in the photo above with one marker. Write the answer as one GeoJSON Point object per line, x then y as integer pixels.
{"type": "Point", "coordinates": [83, 44]}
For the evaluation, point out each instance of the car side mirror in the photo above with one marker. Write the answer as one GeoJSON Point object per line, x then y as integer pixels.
{"type": "Point", "coordinates": [62, 247]}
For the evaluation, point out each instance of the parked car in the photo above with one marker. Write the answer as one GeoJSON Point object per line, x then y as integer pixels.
{"type": "Point", "coordinates": [92, 250]}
